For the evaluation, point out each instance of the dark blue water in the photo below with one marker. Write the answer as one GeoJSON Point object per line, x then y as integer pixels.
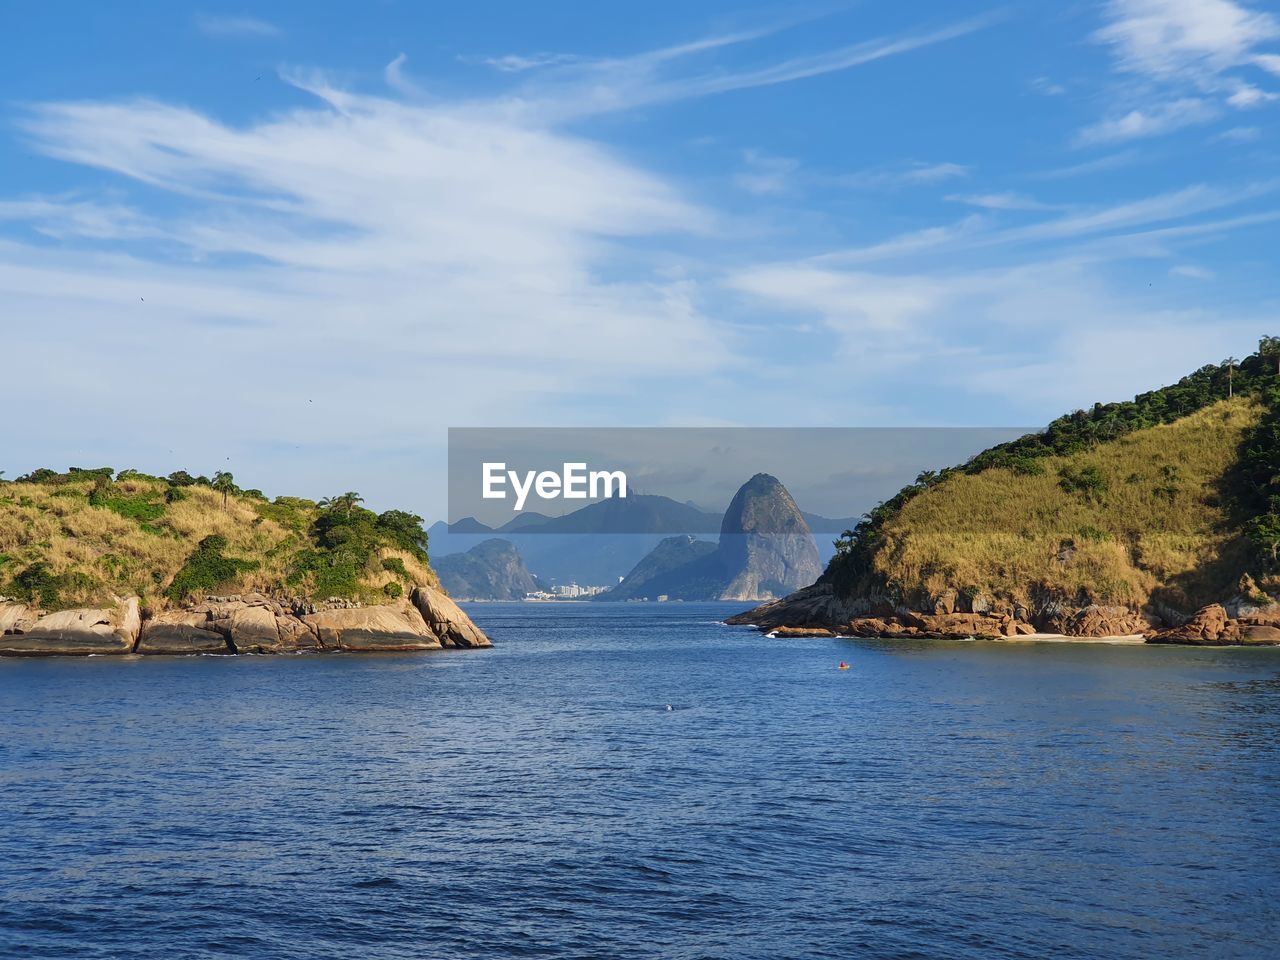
{"type": "Point", "coordinates": [538, 800]}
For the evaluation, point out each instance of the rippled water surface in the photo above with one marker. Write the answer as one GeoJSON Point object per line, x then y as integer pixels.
{"type": "Point", "coordinates": [539, 800]}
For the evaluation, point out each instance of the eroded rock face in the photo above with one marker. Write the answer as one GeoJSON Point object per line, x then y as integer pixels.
{"type": "Point", "coordinates": [1103, 621]}
{"type": "Point", "coordinates": [72, 632]}
{"type": "Point", "coordinates": [242, 624]}
{"type": "Point", "coordinates": [373, 628]}
{"type": "Point", "coordinates": [1209, 625]}
{"type": "Point", "coordinates": [446, 620]}
{"type": "Point", "coordinates": [181, 632]}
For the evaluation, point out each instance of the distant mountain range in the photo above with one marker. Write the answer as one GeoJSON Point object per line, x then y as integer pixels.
{"type": "Point", "coordinates": [622, 540]}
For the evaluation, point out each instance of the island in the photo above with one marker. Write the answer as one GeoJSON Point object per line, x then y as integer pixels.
{"type": "Point", "coordinates": [95, 561]}
{"type": "Point", "coordinates": [1154, 520]}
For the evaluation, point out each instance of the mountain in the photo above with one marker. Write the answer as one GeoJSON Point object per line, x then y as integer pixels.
{"type": "Point", "coordinates": [657, 574]}
{"type": "Point", "coordinates": [765, 550]}
{"type": "Point", "coordinates": [94, 561]}
{"type": "Point", "coordinates": [1157, 517]}
{"type": "Point", "coordinates": [491, 570]}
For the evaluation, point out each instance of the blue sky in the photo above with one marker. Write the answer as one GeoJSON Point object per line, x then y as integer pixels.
{"type": "Point", "coordinates": [301, 240]}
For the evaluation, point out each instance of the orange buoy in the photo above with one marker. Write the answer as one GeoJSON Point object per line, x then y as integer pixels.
{"type": "Point", "coordinates": [843, 665]}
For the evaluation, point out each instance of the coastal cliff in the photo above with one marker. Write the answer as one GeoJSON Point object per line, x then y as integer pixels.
{"type": "Point", "coordinates": [93, 562]}
{"type": "Point", "coordinates": [1155, 519]}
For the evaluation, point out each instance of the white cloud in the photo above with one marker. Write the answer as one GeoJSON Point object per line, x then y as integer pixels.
{"type": "Point", "coordinates": [1190, 271]}
{"type": "Point", "coordinates": [384, 257]}
{"type": "Point", "coordinates": [236, 27]}
{"type": "Point", "coordinates": [1187, 55]}
{"type": "Point", "coordinates": [1150, 121]}
{"type": "Point", "coordinates": [1240, 135]}
{"type": "Point", "coordinates": [1245, 96]}
{"type": "Point", "coordinates": [1001, 201]}
{"type": "Point", "coordinates": [1181, 38]}
{"type": "Point", "coordinates": [914, 173]}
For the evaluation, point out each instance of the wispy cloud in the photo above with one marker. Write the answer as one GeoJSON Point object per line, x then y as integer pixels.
{"type": "Point", "coordinates": [1149, 121]}
{"type": "Point", "coordinates": [764, 175]}
{"type": "Point", "coordinates": [912, 174]}
{"type": "Point", "coordinates": [564, 86]}
{"type": "Point", "coordinates": [236, 27]}
{"type": "Point", "coordinates": [1086, 168]}
{"type": "Point", "coordinates": [1001, 201]}
{"type": "Point", "coordinates": [1187, 58]}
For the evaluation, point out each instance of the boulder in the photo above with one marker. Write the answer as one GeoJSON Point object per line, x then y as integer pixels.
{"type": "Point", "coordinates": [295, 635]}
{"type": "Point", "coordinates": [1260, 633]}
{"type": "Point", "coordinates": [1105, 621]}
{"type": "Point", "coordinates": [1209, 625]}
{"type": "Point", "coordinates": [788, 633]}
{"type": "Point", "coordinates": [398, 627]}
{"type": "Point", "coordinates": [78, 632]}
{"type": "Point", "coordinates": [251, 630]}
{"type": "Point", "coordinates": [960, 625]}
{"type": "Point", "coordinates": [181, 632]}
{"type": "Point", "coordinates": [446, 620]}
{"type": "Point", "coordinates": [17, 617]}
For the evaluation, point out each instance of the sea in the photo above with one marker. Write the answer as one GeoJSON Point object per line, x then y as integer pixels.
{"type": "Point", "coordinates": [642, 781]}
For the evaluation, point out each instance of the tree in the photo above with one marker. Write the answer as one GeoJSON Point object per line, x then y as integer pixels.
{"type": "Point", "coordinates": [1230, 364]}
{"type": "Point", "coordinates": [225, 484]}
{"type": "Point", "coordinates": [1269, 347]}
{"type": "Point", "coordinates": [345, 502]}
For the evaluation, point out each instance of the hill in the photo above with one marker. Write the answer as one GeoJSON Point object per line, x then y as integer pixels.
{"type": "Point", "coordinates": [1128, 518]}
{"type": "Point", "coordinates": [93, 540]}
{"type": "Point", "coordinates": [491, 570]}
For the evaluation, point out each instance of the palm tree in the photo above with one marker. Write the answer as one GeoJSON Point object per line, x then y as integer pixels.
{"type": "Point", "coordinates": [1231, 375]}
{"type": "Point", "coordinates": [224, 482]}
{"type": "Point", "coordinates": [346, 502]}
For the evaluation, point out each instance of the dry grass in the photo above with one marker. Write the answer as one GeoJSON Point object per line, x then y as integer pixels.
{"type": "Point", "coordinates": [1159, 525]}
{"type": "Point", "coordinates": [116, 555]}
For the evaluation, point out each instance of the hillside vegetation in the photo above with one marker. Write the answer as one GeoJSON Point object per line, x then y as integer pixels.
{"type": "Point", "coordinates": [80, 537]}
{"type": "Point", "coordinates": [1167, 500]}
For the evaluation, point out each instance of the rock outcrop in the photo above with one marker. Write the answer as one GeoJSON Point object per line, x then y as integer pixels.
{"type": "Point", "coordinates": [400, 627]}
{"type": "Point", "coordinates": [181, 632]}
{"type": "Point", "coordinates": [765, 550]}
{"type": "Point", "coordinates": [249, 624]}
{"type": "Point", "coordinates": [765, 543]}
{"type": "Point", "coordinates": [444, 618]}
{"type": "Point", "coordinates": [816, 611]}
{"type": "Point", "coordinates": [69, 632]}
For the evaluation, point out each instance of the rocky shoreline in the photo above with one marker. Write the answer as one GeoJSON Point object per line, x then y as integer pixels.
{"type": "Point", "coordinates": [249, 624]}
{"type": "Point", "coordinates": [817, 612]}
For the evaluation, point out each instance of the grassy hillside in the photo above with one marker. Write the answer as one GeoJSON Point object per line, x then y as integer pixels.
{"type": "Point", "coordinates": [76, 538]}
{"type": "Point", "coordinates": [1169, 499]}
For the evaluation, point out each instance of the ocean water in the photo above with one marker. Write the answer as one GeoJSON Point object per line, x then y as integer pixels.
{"type": "Point", "coordinates": [936, 800]}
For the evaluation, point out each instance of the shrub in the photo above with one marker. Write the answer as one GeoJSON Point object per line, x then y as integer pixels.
{"type": "Point", "coordinates": [207, 568]}
{"type": "Point", "coordinates": [1087, 480]}
{"type": "Point", "coordinates": [393, 590]}
{"type": "Point", "coordinates": [395, 565]}
{"type": "Point", "coordinates": [37, 584]}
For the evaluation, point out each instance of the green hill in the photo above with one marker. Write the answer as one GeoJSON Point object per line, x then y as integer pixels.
{"type": "Point", "coordinates": [1159, 505]}
{"type": "Point", "coordinates": [79, 538]}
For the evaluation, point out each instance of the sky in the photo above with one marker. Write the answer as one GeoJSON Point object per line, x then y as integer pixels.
{"type": "Point", "coordinates": [301, 240]}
